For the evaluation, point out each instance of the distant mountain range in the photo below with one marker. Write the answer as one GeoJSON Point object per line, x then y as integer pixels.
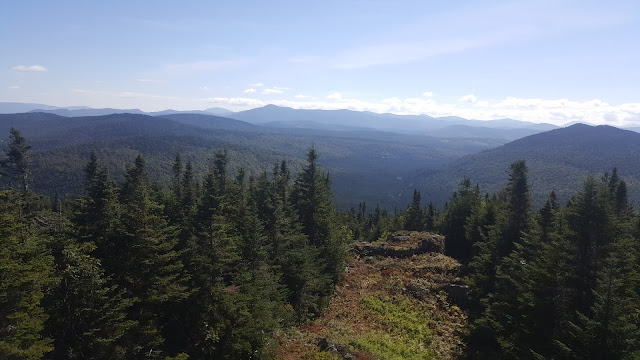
{"type": "Point", "coordinates": [361, 119]}
{"type": "Point", "coordinates": [333, 120]}
{"type": "Point", "coordinates": [74, 111]}
{"type": "Point", "coordinates": [369, 159]}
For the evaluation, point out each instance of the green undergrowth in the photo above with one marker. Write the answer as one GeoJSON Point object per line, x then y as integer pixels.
{"type": "Point", "coordinates": [407, 334]}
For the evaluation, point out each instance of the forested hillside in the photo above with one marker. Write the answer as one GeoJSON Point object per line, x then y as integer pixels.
{"type": "Point", "coordinates": [558, 160]}
{"type": "Point", "coordinates": [365, 166]}
{"type": "Point", "coordinates": [221, 266]}
{"type": "Point", "coordinates": [562, 282]}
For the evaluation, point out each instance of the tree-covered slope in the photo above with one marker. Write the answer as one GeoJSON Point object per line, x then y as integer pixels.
{"type": "Point", "coordinates": [365, 166]}
{"type": "Point", "coordinates": [558, 160]}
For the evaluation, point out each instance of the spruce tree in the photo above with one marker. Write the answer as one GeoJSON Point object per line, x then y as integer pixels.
{"type": "Point", "coordinates": [313, 201]}
{"type": "Point", "coordinates": [25, 275]}
{"type": "Point", "coordinates": [259, 307]}
{"type": "Point", "coordinates": [415, 215]}
{"type": "Point", "coordinates": [88, 315]}
{"type": "Point", "coordinates": [505, 253]}
{"type": "Point", "coordinates": [214, 256]}
{"type": "Point", "coordinates": [455, 216]}
{"type": "Point", "coordinates": [96, 218]}
{"type": "Point", "coordinates": [17, 163]}
{"type": "Point", "coordinates": [591, 221]}
{"type": "Point", "coordinates": [151, 269]}
{"type": "Point", "coordinates": [298, 262]}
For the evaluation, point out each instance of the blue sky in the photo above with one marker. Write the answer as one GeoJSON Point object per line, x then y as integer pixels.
{"type": "Point", "coordinates": [543, 61]}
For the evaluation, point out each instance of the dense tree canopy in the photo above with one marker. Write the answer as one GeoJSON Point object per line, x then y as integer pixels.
{"type": "Point", "coordinates": [204, 269]}
{"type": "Point", "coordinates": [213, 267]}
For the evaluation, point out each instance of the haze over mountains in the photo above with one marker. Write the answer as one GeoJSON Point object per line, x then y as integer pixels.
{"type": "Point", "coordinates": [377, 158]}
{"type": "Point", "coordinates": [368, 165]}
{"type": "Point", "coordinates": [283, 117]}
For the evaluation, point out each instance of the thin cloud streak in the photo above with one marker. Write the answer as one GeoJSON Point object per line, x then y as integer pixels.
{"type": "Point", "coordinates": [554, 111]}
{"type": "Point", "coordinates": [32, 68]}
{"type": "Point", "coordinates": [462, 31]}
{"type": "Point", "coordinates": [204, 65]}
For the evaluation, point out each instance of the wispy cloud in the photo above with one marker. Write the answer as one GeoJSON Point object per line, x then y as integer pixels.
{"type": "Point", "coordinates": [473, 28]}
{"type": "Point", "coordinates": [427, 93]}
{"type": "Point", "coordinates": [469, 98]}
{"type": "Point", "coordinates": [13, 87]}
{"type": "Point", "coordinates": [147, 81]}
{"type": "Point", "coordinates": [31, 68]}
{"type": "Point", "coordinates": [249, 91]}
{"type": "Point", "coordinates": [204, 65]}
{"type": "Point", "coordinates": [302, 59]}
{"type": "Point", "coordinates": [398, 53]}
{"type": "Point", "coordinates": [272, 91]}
{"type": "Point", "coordinates": [124, 94]}
{"type": "Point", "coordinates": [557, 112]}
{"type": "Point", "coordinates": [334, 96]}
{"type": "Point", "coordinates": [256, 85]}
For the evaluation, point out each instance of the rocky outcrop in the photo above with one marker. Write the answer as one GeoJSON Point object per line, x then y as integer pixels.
{"type": "Point", "coordinates": [402, 245]}
{"type": "Point", "coordinates": [339, 350]}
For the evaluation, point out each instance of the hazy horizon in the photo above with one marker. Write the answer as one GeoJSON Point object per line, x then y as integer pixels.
{"type": "Point", "coordinates": [538, 61]}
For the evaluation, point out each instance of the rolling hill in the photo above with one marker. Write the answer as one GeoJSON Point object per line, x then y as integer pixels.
{"type": "Point", "coordinates": [282, 118]}
{"type": "Point", "coordinates": [366, 166]}
{"type": "Point", "coordinates": [558, 160]}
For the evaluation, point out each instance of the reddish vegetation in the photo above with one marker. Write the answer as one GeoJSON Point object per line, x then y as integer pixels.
{"type": "Point", "coordinates": [418, 278]}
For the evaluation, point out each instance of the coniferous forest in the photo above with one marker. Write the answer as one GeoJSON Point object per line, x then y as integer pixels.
{"type": "Point", "coordinates": [203, 269]}
{"type": "Point", "coordinates": [213, 267]}
{"type": "Point", "coordinates": [559, 282]}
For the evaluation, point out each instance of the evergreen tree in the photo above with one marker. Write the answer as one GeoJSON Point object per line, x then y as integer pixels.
{"type": "Point", "coordinates": [259, 307]}
{"type": "Point", "coordinates": [431, 216]}
{"type": "Point", "coordinates": [151, 269]}
{"type": "Point", "coordinates": [96, 217]}
{"type": "Point", "coordinates": [298, 261]}
{"type": "Point", "coordinates": [590, 219]}
{"type": "Point", "coordinates": [312, 199]}
{"type": "Point", "coordinates": [214, 255]}
{"type": "Point", "coordinates": [546, 303]}
{"type": "Point", "coordinates": [18, 160]}
{"type": "Point", "coordinates": [25, 274]}
{"type": "Point", "coordinates": [504, 253]}
{"type": "Point", "coordinates": [458, 210]}
{"type": "Point", "coordinates": [176, 182]}
{"type": "Point", "coordinates": [519, 206]}
{"type": "Point", "coordinates": [622, 207]}
{"type": "Point", "coordinates": [88, 316]}
{"type": "Point", "coordinates": [415, 215]}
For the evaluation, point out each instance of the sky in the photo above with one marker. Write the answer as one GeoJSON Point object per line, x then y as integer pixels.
{"type": "Point", "coordinates": [536, 60]}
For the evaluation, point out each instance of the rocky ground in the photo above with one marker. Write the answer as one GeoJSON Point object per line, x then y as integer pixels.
{"type": "Point", "coordinates": [398, 299]}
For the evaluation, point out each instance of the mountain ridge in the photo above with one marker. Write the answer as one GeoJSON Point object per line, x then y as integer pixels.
{"type": "Point", "coordinates": [558, 160]}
